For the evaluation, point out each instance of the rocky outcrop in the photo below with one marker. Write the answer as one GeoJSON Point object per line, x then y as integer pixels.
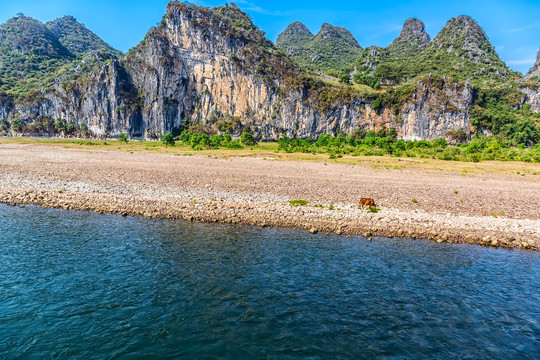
{"type": "Point", "coordinates": [214, 68]}
{"type": "Point", "coordinates": [535, 70]}
{"type": "Point", "coordinates": [371, 57]}
{"type": "Point", "coordinates": [532, 96]}
{"type": "Point", "coordinates": [436, 108]}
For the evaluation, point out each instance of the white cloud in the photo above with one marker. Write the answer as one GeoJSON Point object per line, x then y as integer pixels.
{"type": "Point", "coordinates": [249, 6]}
{"type": "Point", "coordinates": [529, 61]}
{"type": "Point", "coordinates": [521, 29]}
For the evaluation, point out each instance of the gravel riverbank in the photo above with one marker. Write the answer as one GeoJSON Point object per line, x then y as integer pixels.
{"type": "Point", "coordinates": [491, 209]}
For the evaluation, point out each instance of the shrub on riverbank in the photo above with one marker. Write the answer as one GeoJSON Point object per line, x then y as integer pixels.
{"type": "Point", "coordinates": [386, 143]}
{"type": "Point", "coordinates": [167, 139]}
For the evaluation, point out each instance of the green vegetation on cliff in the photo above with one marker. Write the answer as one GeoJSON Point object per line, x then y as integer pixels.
{"type": "Point", "coordinates": [29, 55]}
{"type": "Point", "coordinates": [500, 111]}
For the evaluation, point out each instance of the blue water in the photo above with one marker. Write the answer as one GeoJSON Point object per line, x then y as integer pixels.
{"type": "Point", "coordinates": [83, 285]}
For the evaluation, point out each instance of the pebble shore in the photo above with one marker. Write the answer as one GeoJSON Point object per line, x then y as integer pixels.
{"type": "Point", "coordinates": [255, 191]}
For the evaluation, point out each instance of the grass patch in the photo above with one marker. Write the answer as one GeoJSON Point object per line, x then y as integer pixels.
{"type": "Point", "coordinates": [298, 202]}
{"type": "Point", "coordinates": [373, 209]}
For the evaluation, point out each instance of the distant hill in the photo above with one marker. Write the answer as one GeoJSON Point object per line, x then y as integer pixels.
{"type": "Point", "coordinates": [333, 48]}
{"type": "Point", "coordinates": [77, 38]}
{"type": "Point", "coordinates": [295, 36]}
{"type": "Point", "coordinates": [31, 53]}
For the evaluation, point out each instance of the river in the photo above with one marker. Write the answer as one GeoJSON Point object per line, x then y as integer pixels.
{"type": "Point", "coordinates": [86, 285]}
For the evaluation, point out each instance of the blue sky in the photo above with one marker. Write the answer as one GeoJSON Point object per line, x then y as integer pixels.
{"type": "Point", "coordinates": [513, 27]}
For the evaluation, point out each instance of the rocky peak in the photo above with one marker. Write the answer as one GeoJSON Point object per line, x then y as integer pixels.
{"type": "Point", "coordinates": [463, 32]}
{"type": "Point", "coordinates": [332, 49]}
{"type": "Point", "coordinates": [414, 29]}
{"type": "Point", "coordinates": [336, 33]}
{"type": "Point", "coordinates": [227, 21]}
{"type": "Point", "coordinates": [77, 38]}
{"type": "Point", "coordinates": [295, 35]}
{"type": "Point", "coordinates": [412, 40]}
{"type": "Point", "coordinates": [296, 29]}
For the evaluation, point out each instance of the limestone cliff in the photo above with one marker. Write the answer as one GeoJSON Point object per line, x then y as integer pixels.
{"type": "Point", "coordinates": [214, 67]}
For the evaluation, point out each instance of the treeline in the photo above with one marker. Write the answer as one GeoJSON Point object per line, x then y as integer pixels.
{"type": "Point", "coordinates": [371, 143]}
{"type": "Point", "coordinates": [44, 126]}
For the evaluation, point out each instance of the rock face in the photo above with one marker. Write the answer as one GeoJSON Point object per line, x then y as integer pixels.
{"type": "Point", "coordinates": [532, 97]}
{"type": "Point", "coordinates": [412, 40]}
{"type": "Point", "coordinates": [437, 107]}
{"type": "Point", "coordinates": [214, 68]}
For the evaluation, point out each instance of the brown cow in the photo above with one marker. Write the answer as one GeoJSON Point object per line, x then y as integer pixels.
{"type": "Point", "coordinates": [367, 202]}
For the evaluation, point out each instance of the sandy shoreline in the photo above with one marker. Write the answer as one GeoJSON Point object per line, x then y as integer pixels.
{"type": "Point", "coordinates": [490, 209]}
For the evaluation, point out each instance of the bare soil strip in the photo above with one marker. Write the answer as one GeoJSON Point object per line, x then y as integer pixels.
{"type": "Point", "coordinates": [497, 209]}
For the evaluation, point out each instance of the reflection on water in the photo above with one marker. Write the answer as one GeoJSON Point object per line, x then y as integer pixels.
{"type": "Point", "coordinates": [76, 284]}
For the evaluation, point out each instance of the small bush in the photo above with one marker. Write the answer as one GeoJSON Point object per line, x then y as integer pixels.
{"type": "Point", "coordinates": [122, 138]}
{"type": "Point", "coordinates": [248, 139]}
{"type": "Point", "coordinates": [168, 139]}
